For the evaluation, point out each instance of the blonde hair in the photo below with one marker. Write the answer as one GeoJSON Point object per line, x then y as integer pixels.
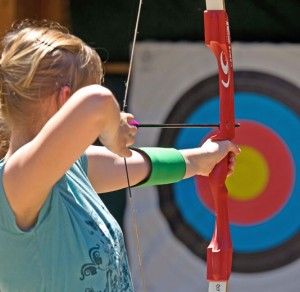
{"type": "Point", "coordinates": [37, 59]}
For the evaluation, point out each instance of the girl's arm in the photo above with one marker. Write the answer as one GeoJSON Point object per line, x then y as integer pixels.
{"type": "Point", "coordinates": [107, 172]}
{"type": "Point", "coordinates": [33, 169]}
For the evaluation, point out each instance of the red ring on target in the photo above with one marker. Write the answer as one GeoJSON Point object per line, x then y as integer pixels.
{"type": "Point", "coordinates": [274, 196]}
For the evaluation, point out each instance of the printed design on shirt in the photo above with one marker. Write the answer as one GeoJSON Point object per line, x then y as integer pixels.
{"type": "Point", "coordinates": [108, 257]}
{"type": "Point", "coordinates": [96, 263]}
{"type": "Point", "coordinates": [96, 224]}
{"type": "Point", "coordinates": [112, 284]}
{"type": "Point", "coordinates": [93, 225]}
{"type": "Point", "coordinates": [91, 290]}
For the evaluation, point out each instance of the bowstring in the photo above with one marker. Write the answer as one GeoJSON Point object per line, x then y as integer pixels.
{"type": "Point", "coordinates": [125, 161]}
{"type": "Point", "coordinates": [132, 54]}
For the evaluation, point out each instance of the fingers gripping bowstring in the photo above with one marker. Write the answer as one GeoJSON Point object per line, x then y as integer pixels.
{"type": "Point", "coordinates": [125, 162]}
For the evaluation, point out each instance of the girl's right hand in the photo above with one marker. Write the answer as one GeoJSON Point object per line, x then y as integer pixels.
{"type": "Point", "coordinates": [123, 137]}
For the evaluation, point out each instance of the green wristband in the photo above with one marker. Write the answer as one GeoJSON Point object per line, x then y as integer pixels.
{"type": "Point", "coordinates": [167, 166]}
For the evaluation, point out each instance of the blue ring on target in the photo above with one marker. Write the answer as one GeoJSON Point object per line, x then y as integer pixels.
{"type": "Point", "coordinates": [256, 237]}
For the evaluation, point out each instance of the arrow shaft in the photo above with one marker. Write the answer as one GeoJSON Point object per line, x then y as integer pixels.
{"type": "Point", "coordinates": [179, 126]}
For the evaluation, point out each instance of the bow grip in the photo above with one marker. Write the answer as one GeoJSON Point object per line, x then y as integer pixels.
{"type": "Point", "coordinates": [219, 251]}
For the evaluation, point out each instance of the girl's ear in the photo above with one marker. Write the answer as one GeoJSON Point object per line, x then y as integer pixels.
{"type": "Point", "coordinates": [64, 95]}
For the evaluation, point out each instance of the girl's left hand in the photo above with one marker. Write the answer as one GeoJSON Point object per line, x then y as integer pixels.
{"type": "Point", "coordinates": [202, 160]}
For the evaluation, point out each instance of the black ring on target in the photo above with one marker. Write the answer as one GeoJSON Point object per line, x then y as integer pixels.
{"type": "Point", "coordinates": [245, 81]}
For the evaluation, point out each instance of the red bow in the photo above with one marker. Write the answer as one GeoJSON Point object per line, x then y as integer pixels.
{"type": "Point", "coordinates": [219, 251]}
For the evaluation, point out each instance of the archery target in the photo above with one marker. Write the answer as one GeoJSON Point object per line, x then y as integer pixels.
{"type": "Point", "coordinates": [259, 198]}
{"type": "Point", "coordinates": [178, 86]}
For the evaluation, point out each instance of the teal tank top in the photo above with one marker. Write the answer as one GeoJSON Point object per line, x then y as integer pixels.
{"type": "Point", "coordinates": [76, 244]}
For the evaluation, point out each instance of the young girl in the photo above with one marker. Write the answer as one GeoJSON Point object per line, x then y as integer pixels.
{"type": "Point", "coordinates": [55, 232]}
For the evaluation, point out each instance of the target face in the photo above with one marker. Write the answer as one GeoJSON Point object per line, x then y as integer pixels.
{"type": "Point", "coordinates": [264, 199]}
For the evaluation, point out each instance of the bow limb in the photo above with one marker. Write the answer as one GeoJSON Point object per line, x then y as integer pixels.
{"type": "Point", "coordinates": [217, 39]}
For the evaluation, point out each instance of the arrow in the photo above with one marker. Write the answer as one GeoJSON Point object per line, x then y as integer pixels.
{"type": "Point", "coordinates": [178, 126]}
